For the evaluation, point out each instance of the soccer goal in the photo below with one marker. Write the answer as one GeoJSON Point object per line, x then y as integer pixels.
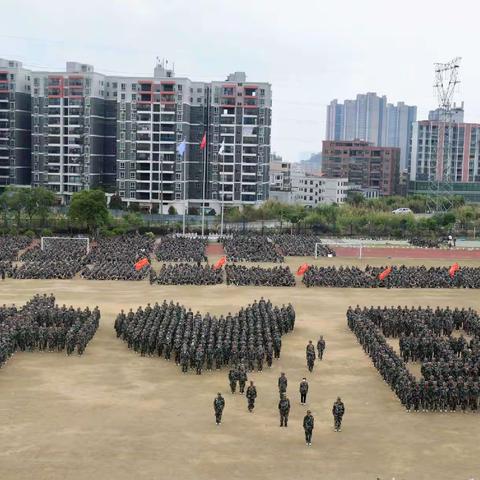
{"type": "Point", "coordinates": [45, 242]}
{"type": "Point", "coordinates": [356, 247]}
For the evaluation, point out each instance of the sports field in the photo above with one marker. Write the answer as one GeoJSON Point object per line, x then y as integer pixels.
{"type": "Point", "coordinates": [112, 414]}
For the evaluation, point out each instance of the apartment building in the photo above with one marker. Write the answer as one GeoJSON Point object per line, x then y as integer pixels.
{"type": "Point", "coordinates": [445, 151]}
{"type": "Point", "coordinates": [15, 124]}
{"type": "Point", "coordinates": [280, 173]}
{"type": "Point", "coordinates": [123, 134]}
{"type": "Point", "coordinates": [73, 130]}
{"type": "Point", "coordinates": [372, 119]}
{"type": "Point", "coordinates": [310, 189]}
{"type": "Point", "coordinates": [364, 164]}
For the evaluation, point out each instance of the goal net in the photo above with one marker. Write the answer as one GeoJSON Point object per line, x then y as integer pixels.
{"type": "Point", "coordinates": [47, 243]}
{"type": "Point", "coordinates": [355, 247]}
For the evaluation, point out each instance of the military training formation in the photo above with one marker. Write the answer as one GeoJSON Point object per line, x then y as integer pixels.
{"type": "Point", "coordinates": [443, 344]}
{"type": "Point", "coordinates": [450, 364]}
{"type": "Point", "coordinates": [42, 325]}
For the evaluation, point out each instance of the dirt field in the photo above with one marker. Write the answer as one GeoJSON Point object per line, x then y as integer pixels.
{"type": "Point", "coordinates": [114, 415]}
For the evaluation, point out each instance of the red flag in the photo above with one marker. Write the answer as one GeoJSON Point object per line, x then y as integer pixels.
{"type": "Point", "coordinates": [453, 269]}
{"type": "Point", "coordinates": [302, 269]}
{"type": "Point", "coordinates": [203, 143]}
{"type": "Point", "coordinates": [141, 263]}
{"type": "Point", "coordinates": [385, 273]}
{"type": "Point", "coordinates": [220, 263]}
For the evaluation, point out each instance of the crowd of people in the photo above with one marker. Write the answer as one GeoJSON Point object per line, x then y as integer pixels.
{"type": "Point", "coordinates": [399, 277]}
{"type": "Point", "coordinates": [111, 258]}
{"type": "Point", "coordinates": [450, 374]}
{"type": "Point", "coordinates": [251, 248]}
{"type": "Point", "coordinates": [115, 271]}
{"type": "Point", "coordinates": [187, 274]}
{"type": "Point", "coordinates": [240, 275]}
{"type": "Point", "coordinates": [250, 337]}
{"type": "Point", "coordinates": [114, 258]}
{"type": "Point", "coordinates": [120, 249]}
{"type": "Point", "coordinates": [176, 248]}
{"type": "Point", "coordinates": [42, 325]}
{"type": "Point", "coordinates": [424, 242]}
{"type": "Point", "coordinates": [60, 258]}
{"type": "Point", "coordinates": [300, 245]}
{"type": "Point", "coordinates": [11, 245]}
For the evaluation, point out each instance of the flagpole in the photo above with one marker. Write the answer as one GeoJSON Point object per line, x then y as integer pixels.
{"type": "Point", "coordinates": [223, 203]}
{"type": "Point", "coordinates": [203, 193]}
{"type": "Point", "coordinates": [185, 207]}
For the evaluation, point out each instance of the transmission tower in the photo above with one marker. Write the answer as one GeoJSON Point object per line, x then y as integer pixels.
{"type": "Point", "coordinates": [442, 178]}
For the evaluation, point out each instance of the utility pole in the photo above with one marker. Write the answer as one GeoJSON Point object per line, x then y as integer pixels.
{"type": "Point", "coordinates": [441, 180]}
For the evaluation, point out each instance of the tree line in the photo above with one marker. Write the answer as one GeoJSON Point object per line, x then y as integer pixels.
{"type": "Point", "coordinates": [36, 208]}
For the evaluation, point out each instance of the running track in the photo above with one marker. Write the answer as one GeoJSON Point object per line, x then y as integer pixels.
{"type": "Point", "coordinates": [398, 252]}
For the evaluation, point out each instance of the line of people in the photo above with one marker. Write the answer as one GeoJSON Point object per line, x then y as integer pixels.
{"type": "Point", "coordinates": [240, 275]}
{"type": "Point", "coordinates": [399, 277]}
{"type": "Point", "coordinates": [186, 274]}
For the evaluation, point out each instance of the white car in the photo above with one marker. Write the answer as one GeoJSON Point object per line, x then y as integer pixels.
{"type": "Point", "coordinates": [401, 211]}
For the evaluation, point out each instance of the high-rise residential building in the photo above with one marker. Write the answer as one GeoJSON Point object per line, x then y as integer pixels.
{"type": "Point", "coordinates": [157, 114]}
{"type": "Point", "coordinates": [240, 116]}
{"type": "Point", "coordinates": [456, 114]}
{"type": "Point", "coordinates": [15, 124]}
{"type": "Point", "coordinates": [365, 165]}
{"type": "Point", "coordinates": [445, 151]}
{"type": "Point", "coordinates": [370, 118]}
{"type": "Point", "coordinates": [123, 133]}
{"type": "Point", "coordinates": [73, 130]}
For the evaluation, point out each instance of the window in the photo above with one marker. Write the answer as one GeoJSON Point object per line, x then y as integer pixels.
{"type": "Point", "coordinates": [134, 87]}
{"type": "Point", "coordinates": [123, 86]}
{"type": "Point", "coordinates": [132, 194]}
{"type": "Point", "coordinates": [114, 84]}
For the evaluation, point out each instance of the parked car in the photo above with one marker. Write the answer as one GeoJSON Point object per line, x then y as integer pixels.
{"type": "Point", "coordinates": [401, 211]}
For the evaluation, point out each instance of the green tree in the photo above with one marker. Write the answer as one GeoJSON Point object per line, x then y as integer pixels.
{"type": "Point", "coordinates": [43, 200]}
{"type": "Point", "coordinates": [355, 198]}
{"type": "Point", "coordinates": [15, 200]}
{"type": "Point", "coordinates": [132, 221]}
{"type": "Point", "coordinates": [4, 208]}
{"type": "Point", "coordinates": [172, 210]}
{"type": "Point", "coordinates": [89, 208]}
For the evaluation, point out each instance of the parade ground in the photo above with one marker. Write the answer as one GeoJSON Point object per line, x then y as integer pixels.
{"type": "Point", "coordinates": [112, 414]}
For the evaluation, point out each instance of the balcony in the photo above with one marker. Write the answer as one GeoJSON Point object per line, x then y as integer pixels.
{"type": "Point", "coordinates": [168, 108]}
{"type": "Point", "coordinates": [145, 86]}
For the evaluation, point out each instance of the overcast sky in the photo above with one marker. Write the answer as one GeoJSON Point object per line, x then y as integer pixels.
{"type": "Point", "coordinates": [311, 51]}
